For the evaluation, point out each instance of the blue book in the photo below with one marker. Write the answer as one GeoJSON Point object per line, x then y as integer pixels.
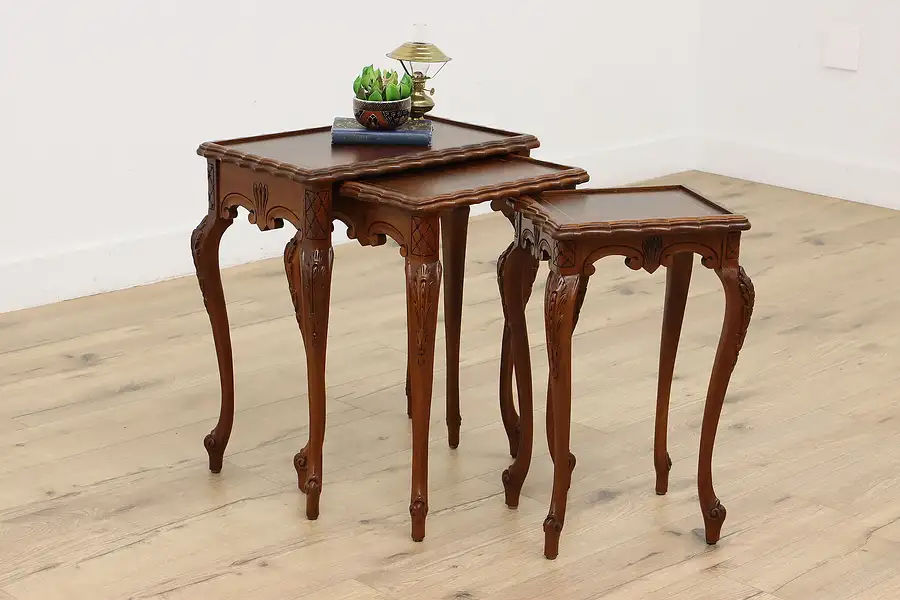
{"type": "Point", "coordinates": [412, 133]}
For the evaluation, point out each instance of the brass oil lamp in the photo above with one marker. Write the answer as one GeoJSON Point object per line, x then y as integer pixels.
{"type": "Point", "coordinates": [417, 57]}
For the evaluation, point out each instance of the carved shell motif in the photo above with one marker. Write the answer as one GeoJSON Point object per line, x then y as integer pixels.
{"type": "Point", "coordinates": [652, 250]}
{"type": "Point", "coordinates": [260, 200]}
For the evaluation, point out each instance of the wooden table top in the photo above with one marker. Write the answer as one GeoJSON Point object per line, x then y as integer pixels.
{"type": "Point", "coordinates": [465, 183]}
{"type": "Point", "coordinates": [308, 155]}
{"type": "Point", "coordinates": [590, 211]}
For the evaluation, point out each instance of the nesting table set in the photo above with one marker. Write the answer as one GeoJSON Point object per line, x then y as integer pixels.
{"type": "Point", "coordinates": [420, 198]}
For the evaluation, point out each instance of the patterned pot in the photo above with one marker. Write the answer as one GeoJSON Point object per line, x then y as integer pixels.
{"type": "Point", "coordinates": [390, 114]}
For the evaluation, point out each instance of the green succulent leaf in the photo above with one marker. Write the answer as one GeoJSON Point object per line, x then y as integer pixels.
{"type": "Point", "coordinates": [392, 92]}
{"type": "Point", "coordinates": [377, 85]}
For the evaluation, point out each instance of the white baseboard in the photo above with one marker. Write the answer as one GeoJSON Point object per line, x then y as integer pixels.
{"type": "Point", "coordinates": [131, 262]}
{"type": "Point", "coordinates": [874, 184]}
{"type": "Point", "coordinates": [127, 263]}
{"type": "Point", "coordinates": [627, 164]}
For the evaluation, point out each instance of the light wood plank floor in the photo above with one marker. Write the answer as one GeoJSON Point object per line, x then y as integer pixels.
{"type": "Point", "coordinates": [104, 401]}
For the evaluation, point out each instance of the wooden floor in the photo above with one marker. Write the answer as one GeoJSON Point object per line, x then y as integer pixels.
{"type": "Point", "coordinates": [104, 401]}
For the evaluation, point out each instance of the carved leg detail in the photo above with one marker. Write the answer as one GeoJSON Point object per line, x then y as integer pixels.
{"type": "Point", "coordinates": [678, 281]}
{"type": "Point", "coordinates": [579, 302]}
{"type": "Point", "coordinates": [560, 308]}
{"type": "Point", "coordinates": [308, 267]}
{"type": "Point", "coordinates": [454, 229]}
{"type": "Point", "coordinates": [516, 281]}
{"type": "Point", "coordinates": [292, 271]}
{"type": "Point", "coordinates": [423, 280]}
{"type": "Point", "coordinates": [205, 248]}
{"type": "Point", "coordinates": [739, 300]}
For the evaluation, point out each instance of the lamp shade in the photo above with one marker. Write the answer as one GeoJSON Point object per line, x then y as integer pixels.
{"type": "Point", "coordinates": [422, 52]}
{"type": "Point", "coordinates": [418, 56]}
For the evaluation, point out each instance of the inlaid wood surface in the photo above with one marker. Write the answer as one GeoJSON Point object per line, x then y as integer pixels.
{"type": "Point", "coordinates": [103, 493]}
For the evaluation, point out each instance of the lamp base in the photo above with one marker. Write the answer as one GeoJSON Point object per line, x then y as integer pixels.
{"type": "Point", "coordinates": [421, 100]}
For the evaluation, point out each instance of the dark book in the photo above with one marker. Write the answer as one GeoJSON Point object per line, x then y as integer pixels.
{"type": "Point", "coordinates": [347, 130]}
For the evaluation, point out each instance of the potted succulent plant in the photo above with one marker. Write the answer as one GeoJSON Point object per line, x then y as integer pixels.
{"type": "Point", "coordinates": [381, 100]}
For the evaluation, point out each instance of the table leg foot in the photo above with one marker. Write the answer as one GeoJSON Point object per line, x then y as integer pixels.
{"type": "Point", "coordinates": [418, 510]}
{"type": "Point", "coordinates": [552, 530]}
{"type": "Point", "coordinates": [313, 491]}
{"type": "Point", "coordinates": [713, 518]}
{"type": "Point", "coordinates": [215, 450]}
{"type": "Point", "coordinates": [300, 465]}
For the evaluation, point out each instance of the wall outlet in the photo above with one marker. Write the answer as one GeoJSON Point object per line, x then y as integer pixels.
{"type": "Point", "coordinates": [840, 48]}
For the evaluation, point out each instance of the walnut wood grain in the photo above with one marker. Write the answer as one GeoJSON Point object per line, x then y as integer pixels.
{"type": "Point", "coordinates": [471, 183]}
{"type": "Point", "coordinates": [308, 155]}
{"type": "Point", "coordinates": [549, 213]}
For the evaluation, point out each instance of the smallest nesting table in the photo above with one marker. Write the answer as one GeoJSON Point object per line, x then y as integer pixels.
{"type": "Point", "coordinates": [650, 227]}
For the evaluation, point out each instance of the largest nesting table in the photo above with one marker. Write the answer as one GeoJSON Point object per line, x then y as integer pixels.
{"type": "Point", "coordinates": [377, 191]}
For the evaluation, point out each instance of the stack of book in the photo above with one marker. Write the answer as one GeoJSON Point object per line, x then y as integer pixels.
{"type": "Point", "coordinates": [412, 133]}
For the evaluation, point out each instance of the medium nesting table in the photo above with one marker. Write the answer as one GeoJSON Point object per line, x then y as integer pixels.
{"type": "Point", "coordinates": [650, 227]}
{"type": "Point", "coordinates": [407, 208]}
{"type": "Point", "coordinates": [301, 178]}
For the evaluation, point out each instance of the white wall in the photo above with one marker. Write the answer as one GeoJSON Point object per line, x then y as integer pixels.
{"type": "Point", "coordinates": [769, 111]}
{"type": "Point", "coordinates": [103, 103]}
